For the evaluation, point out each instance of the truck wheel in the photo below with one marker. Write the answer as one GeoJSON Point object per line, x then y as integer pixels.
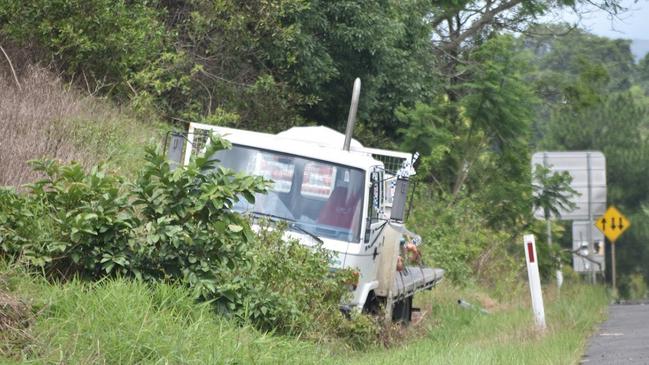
{"type": "Point", "coordinates": [402, 310]}
{"type": "Point", "coordinates": [372, 304]}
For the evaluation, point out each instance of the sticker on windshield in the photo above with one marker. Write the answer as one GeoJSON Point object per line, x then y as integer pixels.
{"type": "Point", "coordinates": [318, 180]}
{"type": "Point", "coordinates": [277, 168]}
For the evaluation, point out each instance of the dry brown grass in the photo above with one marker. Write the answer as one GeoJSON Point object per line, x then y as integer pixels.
{"type": "Point", "coordinates": [31, 123]}
{"type": "Point", "coordinates": [45, 117]}
{"type": "Point", "coordinates": [16, 321]}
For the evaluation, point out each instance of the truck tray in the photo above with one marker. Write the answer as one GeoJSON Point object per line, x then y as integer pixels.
{"type": "Point", "coordinates": [415, 278]}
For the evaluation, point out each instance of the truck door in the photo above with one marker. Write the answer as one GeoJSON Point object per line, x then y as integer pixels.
{"type": "Point", "coordinates": [375, 219]}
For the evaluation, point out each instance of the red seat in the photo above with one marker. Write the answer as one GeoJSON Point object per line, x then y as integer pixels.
{"type": "Point", "coordinates": [340, 210]}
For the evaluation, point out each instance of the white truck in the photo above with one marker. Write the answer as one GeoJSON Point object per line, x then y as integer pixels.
{"type": "Point", "coordinates": [330, 190]}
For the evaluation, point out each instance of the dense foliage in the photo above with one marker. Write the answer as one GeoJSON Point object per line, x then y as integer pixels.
{"type": "Point", "coordinates": [172, 226]}
{"type": "Point", "coordinates": [462, 242]}
{"type": "Point", "coordinates": [445, 78]}
{"type": "Point", "coordinates": [102, 43]}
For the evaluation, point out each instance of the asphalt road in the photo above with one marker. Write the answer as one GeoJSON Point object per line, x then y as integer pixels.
{"type": "Point", "coordinates": [622, 339]}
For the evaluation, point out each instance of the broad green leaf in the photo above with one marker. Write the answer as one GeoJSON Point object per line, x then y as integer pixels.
{"type": "Point", "coordinates": [235, 228]}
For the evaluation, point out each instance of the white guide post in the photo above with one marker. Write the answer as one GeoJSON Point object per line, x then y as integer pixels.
{"type": "Point", "coordinates": [535, 280]}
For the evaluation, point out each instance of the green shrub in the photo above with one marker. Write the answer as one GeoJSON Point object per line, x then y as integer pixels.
{"type": "Point", "coordinates": [359, 331]}
{"type": "Point", "coordinates": [21, 229]}
{"type": "Point", "coordinates": [168, 225]}
{"type": "Point", "coordinates": [90, 219]}
{"type": "Point", "coordinates": [453, 238]}
{"type": "Point", "coordinates": [458, 239]}
{"type": "Point", "coordinates": [187, 228]}
{"type": "Point", "coordinates": [176, 226]}
{"type": "Point", "coordinates": [633, 286]}
{"type": "Point", "coordinates": [291, 287]}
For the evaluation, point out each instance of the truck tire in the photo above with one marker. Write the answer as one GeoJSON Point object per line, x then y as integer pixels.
{"type": "Point", "coordinates": [402, 310]}
{"type": "Point", "coordinates": [372, 304]}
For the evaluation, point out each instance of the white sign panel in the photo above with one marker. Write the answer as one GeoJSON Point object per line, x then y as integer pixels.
{"type": "Point", "coordinates": [581, 248]}
{"type": "Point", "coordinates": [588, 169]}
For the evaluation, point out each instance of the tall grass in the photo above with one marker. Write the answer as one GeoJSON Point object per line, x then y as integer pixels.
{"type": "Point", "coordinates": [46, 118]}
{"type": "Point", "coordinates": [125, 322]}
{"type": "Point", "coordinates": [506, 335]}
{"type": "Point", "coordinates": [128, 322]}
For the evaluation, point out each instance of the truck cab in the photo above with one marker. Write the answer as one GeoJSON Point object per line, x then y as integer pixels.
{"type": "Point", "coordinates": [345, 200]}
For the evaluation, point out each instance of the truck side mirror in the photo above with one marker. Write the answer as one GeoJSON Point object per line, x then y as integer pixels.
{"type": "Point", "coordinates": [399, 200]}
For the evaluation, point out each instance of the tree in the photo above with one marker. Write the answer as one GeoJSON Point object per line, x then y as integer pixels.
{"type": "Point", "coordinates": [282, 63]}
{"type": "Point", "coordinates": [484, 133]}
{"type": "Point", "coordinates": [484, 107]}
{"type": "Point", "coordinates": [103, 44]}
{"type": "Point", "coordinates": [574, 70]}
{"type": "Point", "coordinates": [616, 127]}
{"type": "Point", "coordinates": [552, 192]}
{"type": "Point", "coordinates": [642, 73]}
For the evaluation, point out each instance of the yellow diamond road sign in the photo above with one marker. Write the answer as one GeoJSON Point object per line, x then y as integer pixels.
{"type": "Point", "coordinates": [612, 223]}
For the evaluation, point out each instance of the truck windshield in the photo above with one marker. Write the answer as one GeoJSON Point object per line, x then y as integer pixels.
{"type": "Point", "coordinates": [323, 198]}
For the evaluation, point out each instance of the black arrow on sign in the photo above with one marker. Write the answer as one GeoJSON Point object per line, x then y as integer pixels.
{"type": "Point", "coordinates": [613, 223]}
{"type": "Point", "coordinates": [604, 223]}
{"type": "Point", "coordinates": [621, 224]}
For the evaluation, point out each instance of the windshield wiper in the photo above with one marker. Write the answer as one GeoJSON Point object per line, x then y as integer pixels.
{"type": "Point", "coordinates": [272, 217]}
{"type": "Point", "coordinates": [291, 224]}
{"type": "Point", "coordinates": [295, 225]}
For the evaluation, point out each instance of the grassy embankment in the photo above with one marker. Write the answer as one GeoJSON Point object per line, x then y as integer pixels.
{"type": "Point", "coordinates": [119, 321]}
{"type": "Point", "coordinates": [47, 118]}
{"type": "Point", "coordinates": [506, 336]}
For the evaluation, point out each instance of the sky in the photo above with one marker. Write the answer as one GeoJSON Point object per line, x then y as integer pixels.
{"type": "Point", "coordinates": [630, 24]}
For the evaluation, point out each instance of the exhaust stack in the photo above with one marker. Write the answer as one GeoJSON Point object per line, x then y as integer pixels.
{"type": "Point", "coordinates": [351, 118]}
